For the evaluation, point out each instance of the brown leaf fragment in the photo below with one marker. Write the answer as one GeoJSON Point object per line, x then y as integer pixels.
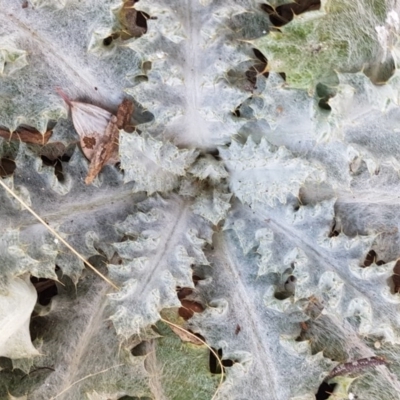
{"type": "Point", "coordinates": [356, 366]}
{"type": "Point", "coordinates": [106, 148]}
{"type": "Point", "coordinates": [27, 135]}
{"type": "Point", "coordinates": [370, 258]}
{"type": "Point", "coordinates": [124, 114]}
{"type": "Point", "coordinates": [188, 309]}
{"type": "Point", "coordinates": [89, 142]}
{"type": "Point", "coordinates": [133, 21]}
{"type": "Point", "coordinates": [98, 133]}
{"type": "Point", "coordinates": [186, 336]}
{"type": "Point", "coordinates": [396, 277]}
{"type": "Point", "coordinates": [184, 292]}
{"type": "Point", "coordinates": [196, 279]}
{"type": "Point", "coordinates": [98, 130]}
{"type": "Point", "coordinates": [89, 121]}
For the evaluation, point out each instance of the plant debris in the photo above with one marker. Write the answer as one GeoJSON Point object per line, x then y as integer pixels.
{"type": "Point", "coordinates": [396, 277]}
{"type": "Point", "coordinates": [106, 149]}
{"type": "Point", "coordinates": [124, 115]}
{"type": "Point", "coordinates": [133, 21]}
{"type": "Point", "coordinates": [356, 366]}
{"type": "Point", "coordinates": [27, 135]}
{"type": "Point", "coordinates": [99, 132]}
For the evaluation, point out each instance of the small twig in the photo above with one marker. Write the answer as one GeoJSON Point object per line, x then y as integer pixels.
{"type": "Point", "coordinates": [210, 348]}
{"type": "Point", "coordinates": [85, 377]}
{"type": "Point", "coordinates": [51, 230]}
{"type": "Point", "coordinates": [356, 366]}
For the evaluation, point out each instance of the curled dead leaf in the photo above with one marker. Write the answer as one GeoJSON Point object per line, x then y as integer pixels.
{"type": "Point", "coordinates": [133, 21]}
{"type": "Point", "coordinates": [105, 150]}
{"type": "Point", "coordinates": [98, 130]}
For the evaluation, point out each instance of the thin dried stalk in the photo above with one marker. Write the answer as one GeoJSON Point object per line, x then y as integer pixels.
{"type": "Point", "coordinates": [53, 232]}
{"type": "Point", "coordinates": [86, 377]}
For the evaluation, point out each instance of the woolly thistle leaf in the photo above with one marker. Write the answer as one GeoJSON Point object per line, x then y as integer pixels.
{"type": "Point", "coordinates": [339, 37]}
{"type": "Point", "coordinates": [213, 206]}
{"type": "Point", "coordinates": [209, 168]}
{"type": "Point", "coordinates": [194, 116]}
{"type": "Point", "coordinates": [42, 57]}
{"type": "Point", "coordinates": [155, 166]}
{"type": "Point", "coordinates": [17, 260]}
{"type": "Point", "coordinates": [11, 59]}
{"type": "Point", "coordinates": [280, 248]}
{"type": "Point", "coordinates": [274, 173]}
{"type": "Point", "coordinates": [157, 261]}
{"type": "Point", "coordinates": [342, 295]}
{"type": "Point", "coordinates": [258, 339]}
{"type": "Point", "coordinates": [66, 335]}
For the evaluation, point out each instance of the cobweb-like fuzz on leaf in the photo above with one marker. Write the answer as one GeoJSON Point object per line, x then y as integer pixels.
{"type": "Point", "coordinates": [239, 321]}
{"type": "Point", "coordinates": [44, 47]}
{"type": "Point", "coordinates": [212, 205]}
{"type": "Point", "coordinates": [165, 239]}
{"type": "Point", "coordinates": [16, 258]}
{"type": "Point", "coordinates": [83, 217]}
{"type": "Point", "coordinates": [258, 173]}
{"type": "Point", "coordinates": [339, 300]}
{"type": "Point", "coordinates": [341, 36]}
{"type": "Point", "coordinates": [190, 59]}
{"type": "Point", "coordinates": [154, 165]}
{"type": "Point", "coordinates": [69, 336]}
{"type": "Point", "coordinates": [306, 180]}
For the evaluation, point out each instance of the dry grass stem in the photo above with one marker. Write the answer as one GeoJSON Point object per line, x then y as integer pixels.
{"type": "Point", "coordinates": [85, 377]}
{"type": "Point", "coordinates": [53, 232]}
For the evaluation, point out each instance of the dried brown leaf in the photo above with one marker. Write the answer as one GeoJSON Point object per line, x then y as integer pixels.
{"type": "Point", "coordinates": [26, 135]}
{"type": "Point", "coordinates": [370, 258]}
{"type": "Point", "coordinates": [105, 150]}
{"type": "Point", "coordinates": [132, 20]}
{"type": "Point", "coordinates": [189, 307]}
{"type": "Point", "coordinates": [91, 123]}
{"type": "Point", "coordinates": [99, 132]}
{"type": "Point", "coordinates": [184, 292]}
{"type": "Point", "coordinates": [356, 366]}
{"type": "Point", "coordinates": [396, 277]}
{"type": "Point", "coordinates": [124, 114]}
